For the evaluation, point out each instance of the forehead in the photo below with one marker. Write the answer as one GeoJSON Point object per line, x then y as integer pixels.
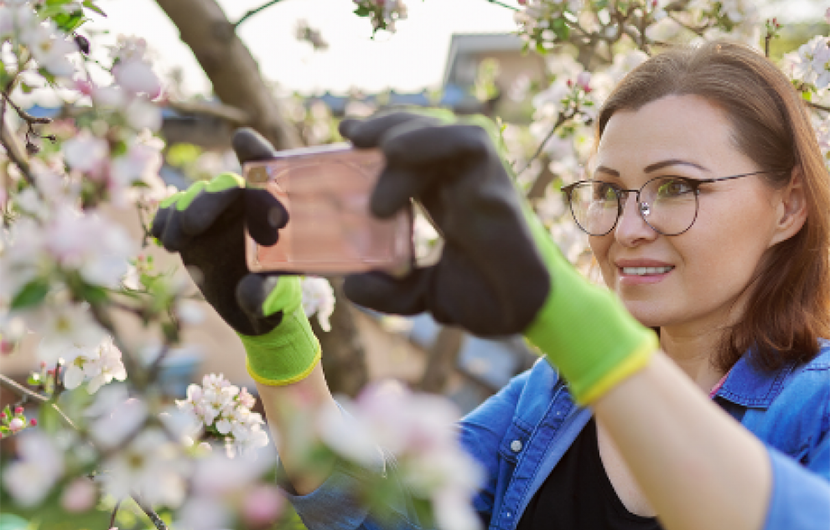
{"type": "Point", "coordinates": [674, 127]}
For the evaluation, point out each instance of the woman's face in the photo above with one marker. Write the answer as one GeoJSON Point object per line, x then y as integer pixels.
{"type": "Point", "coordinates": [692, 279]}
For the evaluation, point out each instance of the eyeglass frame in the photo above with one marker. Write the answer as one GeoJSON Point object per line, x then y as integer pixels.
{"type": "Point", "coordinates": [692, 182]}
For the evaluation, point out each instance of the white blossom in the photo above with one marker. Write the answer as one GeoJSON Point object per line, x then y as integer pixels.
{"type": "Point", "coordinates": [150, 465]}
{"type": "Point", "coordinates": [224, 407]}
{"type": "Point", "coordinates": [811, 63]}
{"type": "Point", "coordinates": [318, 297]}
{"type": "Point", "coordinates": [49, 47]}
{"type": "Point", "coordinates": [38, 468]}
{"type": "Point", "coordinates": [419, 430]}
{"type": "Point", "coordinates": [97, 365]}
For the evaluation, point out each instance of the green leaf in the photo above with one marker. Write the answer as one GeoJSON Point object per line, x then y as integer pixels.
{"type": "Point", "coordinates": [25, 88]}
{"type": "Point", "coordinates": [31, 295]}
{"type": "Point", "coordinates": [540, 47]}
{"type": "Point", "coordinates": [70, 22]}
{"type": "Point", "coordinates": [34, 380]}
{"type": "Point", "coordinates": [561, 29]}
{"type": "Point", "coordinates": [92, 7]}
{"type": "Point", "coordinates": [48, 418]}
{"type": "Point", "coordinates": [363, 11]}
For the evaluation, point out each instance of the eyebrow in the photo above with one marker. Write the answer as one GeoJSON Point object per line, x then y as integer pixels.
{"type": "Point", "coordinates": [653, 167]}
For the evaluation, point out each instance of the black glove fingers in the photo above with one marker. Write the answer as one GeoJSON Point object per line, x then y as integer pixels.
{"type": "Point", "coordinates": [173, 236]}
{"type": "Point", "coordinates": [249, 146]}
{"type": "Point", "coordinates": [206, 208]}
{"type": "Point", "coordinates": [264, 216]}
{"type": "Point", "coordinates": [381, 292]}
{"type": "Point", "coordinates": [368, 133]}
{"type": "Point", "coordinates": [395, 188]}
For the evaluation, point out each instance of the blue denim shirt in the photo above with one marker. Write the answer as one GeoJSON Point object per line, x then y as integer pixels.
{"type": "Point", "coordinates": [521, 433]}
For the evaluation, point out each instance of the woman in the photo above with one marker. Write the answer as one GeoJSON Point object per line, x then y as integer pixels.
{"type": "Point", "coordinates": [707, 208]}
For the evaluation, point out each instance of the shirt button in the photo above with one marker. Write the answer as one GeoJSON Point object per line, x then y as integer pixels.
{"type": "Point", "coordinates": [516, 446]}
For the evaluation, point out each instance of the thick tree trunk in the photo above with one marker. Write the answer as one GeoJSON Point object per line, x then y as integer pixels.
{"type": "Point", "coordinates": [230, 66]}
{"type": "Point", "coordinates": [345, 370]}
{"type": "Point", "coordinates": [238, 83]}
{"type": "Point", "coordinates": [442, 359]}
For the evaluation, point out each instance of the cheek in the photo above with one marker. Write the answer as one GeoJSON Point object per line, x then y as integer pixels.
{"type": "Point", "coordinates": [600, 246]}
{"type": "Point", "coordinates": [724, 252]}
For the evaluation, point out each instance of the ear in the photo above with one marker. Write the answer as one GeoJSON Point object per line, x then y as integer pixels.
{"type": "Point", "coordinates": [790, 210]}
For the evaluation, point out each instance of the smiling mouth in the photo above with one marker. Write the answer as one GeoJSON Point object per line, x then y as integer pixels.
{"type": "Point", "coordinates": [645, 271]}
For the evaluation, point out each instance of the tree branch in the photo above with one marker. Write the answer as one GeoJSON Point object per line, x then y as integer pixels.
{"type": "Point", "coordinates": [225, 112]}
{"type": "Point", "coordinates": [12, 146]}
{"type": "Point", "coordinates": [254, 11]}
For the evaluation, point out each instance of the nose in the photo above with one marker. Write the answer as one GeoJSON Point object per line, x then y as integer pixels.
{"type": "Point", "coordinates": [631, 229]}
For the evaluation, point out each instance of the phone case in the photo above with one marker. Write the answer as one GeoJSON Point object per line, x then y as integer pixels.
{"type": "Point", "coordinates": [330, 231]}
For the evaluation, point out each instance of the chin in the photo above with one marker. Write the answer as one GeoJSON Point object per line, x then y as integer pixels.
{"type": "Point", "coordinates": [647, 314]}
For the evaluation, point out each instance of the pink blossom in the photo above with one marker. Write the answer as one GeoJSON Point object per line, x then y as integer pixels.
{"type": "Point", "coordinates": [87, 154]}
{"type": "Point", "coordinates": [262, 506]}
{"type": "Point", "coordinates": [79, 496]}
{"type": "Point", "coordinates": [137, 77]}
{"type": "Point", "coordinates": [583, 79]}
{"type": "Point", "coordinates": [16, 425]}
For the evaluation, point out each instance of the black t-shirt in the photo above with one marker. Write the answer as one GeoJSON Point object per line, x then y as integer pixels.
{"type": "Point", "coordinates": [578, 495]}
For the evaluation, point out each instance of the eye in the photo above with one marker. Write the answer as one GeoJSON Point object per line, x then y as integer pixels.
{"type": "Point", "coordinates": [669, 188]}
{"type": "Point", "coordinates": [604, 192]}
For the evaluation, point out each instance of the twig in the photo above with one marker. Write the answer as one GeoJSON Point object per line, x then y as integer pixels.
{"type": "Point", "coordinates": [25, 115]}
{"type": "Point", "coordinates": [43, 400]}
{"type": "Point", "coordinates": [818, 106]}
{"type": "Point", "coordinates": [114, 513]}
{"type": "Point", "coordinates": [254, 11]}
{"type": "Point", "coordinates": [559, 121]}
{"type": "Point", "coordinates": [699, 31]}
{"type": "Point", "coordinates": [57, 384]}
{"type": "Point", "coordinates": [21, 390]}
{"type": "Point", "coordinates": [159, 524]}
{"type": "Point", "coordinates": [512, 8]}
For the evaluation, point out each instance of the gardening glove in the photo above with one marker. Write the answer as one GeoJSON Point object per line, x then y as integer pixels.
{"type": "Point", "coordinates": [499, 273]}
{"type": "Point", "coordinates": [205, 225]}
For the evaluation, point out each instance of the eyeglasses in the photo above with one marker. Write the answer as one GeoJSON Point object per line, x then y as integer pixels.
{"type": "Point", "coordinates": [667, 204]}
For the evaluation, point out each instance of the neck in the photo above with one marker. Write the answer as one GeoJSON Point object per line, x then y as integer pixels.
{"type": "Point", "coordinates": [693, 351]}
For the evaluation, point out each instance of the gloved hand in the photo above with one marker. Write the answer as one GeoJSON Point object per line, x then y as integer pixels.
{"type": "Point", "coordinates": [499, 272]}
{"type": "Point", "coordinates": [205, 224]}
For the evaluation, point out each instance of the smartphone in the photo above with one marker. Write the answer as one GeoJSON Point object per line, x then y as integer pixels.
{"type": "Point", "coordinates": [330, 231]}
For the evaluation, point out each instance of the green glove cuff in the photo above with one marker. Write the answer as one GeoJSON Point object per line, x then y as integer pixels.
{"type": "Point", "coordinates": [289, 352]}
{"type": "Point", "coordinates": [584, 330]}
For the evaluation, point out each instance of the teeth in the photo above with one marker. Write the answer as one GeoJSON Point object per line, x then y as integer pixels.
{"type": "Point", "coordinates": [645, 271]}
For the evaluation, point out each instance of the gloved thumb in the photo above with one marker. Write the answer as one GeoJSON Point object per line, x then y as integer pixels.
{"type": "Point", "coordinates": [252, 295]}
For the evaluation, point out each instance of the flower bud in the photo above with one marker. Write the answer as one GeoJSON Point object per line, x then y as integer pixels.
{"type": "Point", "coordinates": [16, 425]}
{"type": "Point", "coordinates": [33, 422]}
{"type": "Point", "coordinates": [18, 410]}
{"type": "Point", "coordinates": [2, 415]}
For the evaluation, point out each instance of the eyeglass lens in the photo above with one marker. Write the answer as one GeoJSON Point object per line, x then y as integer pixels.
{"type": "Point", "coordinates": [667, 204]}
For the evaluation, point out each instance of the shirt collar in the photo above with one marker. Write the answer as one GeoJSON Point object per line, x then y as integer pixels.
{"type": "Point", "coordinates": [750, 386]}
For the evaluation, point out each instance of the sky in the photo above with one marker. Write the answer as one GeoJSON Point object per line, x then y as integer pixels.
{"type": "Point", "coordinates": [410, 60]}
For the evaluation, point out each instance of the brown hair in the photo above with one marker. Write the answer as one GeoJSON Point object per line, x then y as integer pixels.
{"type": "Point", "coordinates": [788, 308]}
